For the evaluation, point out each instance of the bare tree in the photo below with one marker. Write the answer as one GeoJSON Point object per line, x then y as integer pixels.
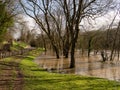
{"type": "Point", "coordinates": [45, 15]}
{"type": "Point", "coordinates": [75, 11]}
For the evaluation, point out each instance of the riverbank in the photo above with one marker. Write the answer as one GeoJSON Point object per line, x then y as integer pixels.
{"type": "Point", "coordinates": [35, 78]}
{"type": "Point", "coordinates": [39, 79]}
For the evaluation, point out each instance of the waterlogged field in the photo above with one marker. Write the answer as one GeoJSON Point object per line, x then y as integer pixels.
{"type": "Point", "coordinates": [92, 66]}
{"type": "Point", "coordinates": [31, 76]}
{"type": "Point", "coordinates": [37, 78]}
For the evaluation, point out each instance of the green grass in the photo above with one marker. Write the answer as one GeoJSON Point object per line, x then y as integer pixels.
{"type": "Point", "coordinates": [39, 79]}
{"type": "Point", "coordinates": [18, 45]}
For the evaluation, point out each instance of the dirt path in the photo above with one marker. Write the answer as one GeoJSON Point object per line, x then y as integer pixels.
{"type": "Point", "coordinates": [11, 77]}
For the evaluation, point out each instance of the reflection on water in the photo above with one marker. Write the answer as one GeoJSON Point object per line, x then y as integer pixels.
{"type": "Point", "coordinates": [84, 66]}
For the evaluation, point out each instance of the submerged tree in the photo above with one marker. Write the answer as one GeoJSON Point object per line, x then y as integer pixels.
{"type": "Point", "coordinates": [72, 12]}
{"type": "Point", "coordinates": [48, 18]}
{"type": "Point", "coordinates": [75, 11]}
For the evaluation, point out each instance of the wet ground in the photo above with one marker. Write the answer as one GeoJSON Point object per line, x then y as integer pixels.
{"type": "Point", "coordinates": [11, 77]}
{"type": "Point", "coordinates": [92, 66]}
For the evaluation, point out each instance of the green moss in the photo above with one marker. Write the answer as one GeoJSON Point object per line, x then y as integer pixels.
{"type": "Point", "coordinates": [39, 79]}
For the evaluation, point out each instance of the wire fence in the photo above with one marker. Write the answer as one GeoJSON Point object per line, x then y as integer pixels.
{"type": "Point", "coordinates": [4, 54]}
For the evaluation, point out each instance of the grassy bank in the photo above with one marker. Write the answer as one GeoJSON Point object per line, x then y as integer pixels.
{"type": "Point", "coordinates": [38, 79]}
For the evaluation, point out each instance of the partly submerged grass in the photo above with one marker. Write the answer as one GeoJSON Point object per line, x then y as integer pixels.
{"type": "Point", "coordinates": [39, 79]}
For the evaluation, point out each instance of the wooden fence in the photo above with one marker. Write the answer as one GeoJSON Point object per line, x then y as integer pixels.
{"type": "Point", "coordinates": [4, 54]}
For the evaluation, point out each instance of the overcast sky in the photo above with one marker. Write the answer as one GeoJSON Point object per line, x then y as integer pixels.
{"type": "Point", "coordinates": [96, 24]}
{"type": "Point", "coordinates": [102, 21]}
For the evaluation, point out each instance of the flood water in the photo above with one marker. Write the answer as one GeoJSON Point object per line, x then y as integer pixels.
{"type": "Point", "coordinates": [92, 66]}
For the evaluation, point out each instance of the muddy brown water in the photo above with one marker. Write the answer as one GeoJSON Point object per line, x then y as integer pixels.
{"type": "Point", "coordinates": [92, 66]}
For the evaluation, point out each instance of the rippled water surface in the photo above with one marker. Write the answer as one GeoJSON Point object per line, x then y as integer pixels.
{"type": "Point", "coordinates": [92, 66]}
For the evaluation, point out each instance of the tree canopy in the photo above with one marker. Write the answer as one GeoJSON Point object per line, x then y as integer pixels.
{"type": "Point", "coordinates": [6, 20]}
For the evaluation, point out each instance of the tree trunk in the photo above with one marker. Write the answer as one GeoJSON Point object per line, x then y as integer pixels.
{"type": "Point", "coordinates": [72, 63]}
{"type": "Point", "coordinates": [44, 43]}
{"type": "Point", "coordinates": [89, 47]}
{"type": "Point", "coordinates": [73, 43]}
{"type": "Point", "coordinates": [45, 47]}
{"type": "Point", "coordinates": [66, 49]}
{"type": "Point", "coordinates": [118, 54]}
{"type": "Point", "coordinates": [56, 51]}
{"type": "Point", "coordinates": [54, 46]}
{"type": "Point", "coordinates": [111, 55]}
{"type": "Point", "coordinates": [114, 42]}
{"type": "Point", "coordinates": [66, 44]}
{"type": "Point", "coordinates": [103, 56]}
